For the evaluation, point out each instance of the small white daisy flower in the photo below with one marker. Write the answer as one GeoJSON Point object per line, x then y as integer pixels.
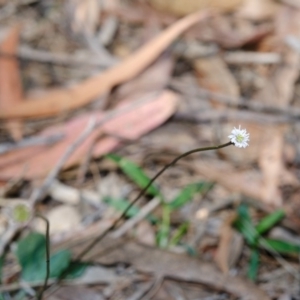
{"type": "Point", "coordinates": [239, 137]}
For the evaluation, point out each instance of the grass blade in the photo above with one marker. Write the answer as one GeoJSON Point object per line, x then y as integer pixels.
{"type": "Point", "coordinates": [135, 173]}
{"type": "Point", "coordinates": [253, 264]}
{"type": "Point", "coordinates": [269, 221]}
{"type": "Point", "coordinates": [279, 246]}
{"type": "Point", "coordinates": [187, 193]}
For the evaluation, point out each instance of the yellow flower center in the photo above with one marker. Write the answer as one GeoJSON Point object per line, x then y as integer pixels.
{"type": "Point", "coordinates": [239, 138]}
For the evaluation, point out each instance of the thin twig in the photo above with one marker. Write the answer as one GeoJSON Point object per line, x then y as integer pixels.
{"type": "Point", "coordinates": [39, 193]}
{"type": "Point", "coordinates": [31, 141]}
{"type": "Point", "coordinates": [251, 104]}
{"type": "Point", "coordinates": [40, 295]}
{"type": "Point", "coordinates": [45, 57]}
{"type": "Point", "coordinates": [149, 207]}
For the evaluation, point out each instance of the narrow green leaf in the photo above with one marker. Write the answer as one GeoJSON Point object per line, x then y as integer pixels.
{"type": "Point", "coordinates": [31, 253]}
{"type": "Point", "coordinates": [179, 233]}
{"type": "Point", "coordinates": [135, 173]}
{"type": "Point", "coordinates": [245, 226]}
{"type": "Point", "coordinates": [269, 221]}
{"type": "Point", "coordinates": [279, 246]}
{"type": "Point", "coordinates": [122, 204]}
{"type": "Point", "coordinates": [253, 264]}
{"type": "Point", "coordinates": [163, 233]}
{"type": "Point", "coordinates": [2, 258]}
{"type": "Point", "coordinates": [187, 193]}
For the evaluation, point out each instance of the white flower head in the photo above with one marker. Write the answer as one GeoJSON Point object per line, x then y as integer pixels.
{"type": "Point", "coordinates": [239, 137]}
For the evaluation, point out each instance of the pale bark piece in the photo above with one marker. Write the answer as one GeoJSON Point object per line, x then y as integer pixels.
{"type": "Point", "coordinates": [83, 16]}
{"type": "Point", "coordinates": [36, 162]}
{"type": "Point", "coordinates": [62, 218]}
{"type": "Point", "coordinates": [166, 264]}
{"type": "Point", "coordinates": [184, 7]}
{"type": "Point", "coordinates": [11, 93]}
{"type": "Point", "coordinates": [61, 100]}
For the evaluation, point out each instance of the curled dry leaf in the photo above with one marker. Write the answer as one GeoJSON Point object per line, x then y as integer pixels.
{"type": "Point", "coordinates": [61, 100]}
{"type": "Point", "coordinates": [37, 161]}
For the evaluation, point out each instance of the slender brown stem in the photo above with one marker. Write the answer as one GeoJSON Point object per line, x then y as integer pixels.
{"type": "Point", "coordinates": [142, 192]}
{"type": "Point", "coordinates": [47, 245]}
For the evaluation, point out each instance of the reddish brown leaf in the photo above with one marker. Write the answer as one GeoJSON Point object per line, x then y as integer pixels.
{"type": "Point", "coordinates": [38, 161]}
{"type": "Point", "coordinates": [10, 83]}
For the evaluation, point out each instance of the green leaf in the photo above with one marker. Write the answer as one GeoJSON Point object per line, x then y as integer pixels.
{"type": "Point", "coordinates": [245, 226]}
{"type": "Point", "coordinates": [279, 246]}
{"type": "Point", "coordinates": [253, 264]}
{"type": "Point", "coordinates": [269, 221]}
{"type": "Point", "coordinates": [2, 258]}
{"type": "Point", "coordinates": [179, 233]}
{"type": "Point", "coordinates": [31, 253]}
{"type": "Point", "coordinates": [122, 204]}
{"type": "Point", "coordinates": [162, 236]}
{"type": "Point", "coordinates": [188, 192]}
{"type": "Point", "coordinates": [59, 262]}
{"type": "Point", "coordinates": [75, 270]}
{"type": "Point", "coordinates": [135, 173]}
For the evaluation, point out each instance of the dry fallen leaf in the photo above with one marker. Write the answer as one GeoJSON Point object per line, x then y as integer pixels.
{"type": "Point", "coordinates": [10, 82]}
{"type": "Point", "coordinates": [61, 100]}
{"type": "Point", "coordinates": [278, 91]}
{"type": "Point", "coordinates": [38, 161]}
{"type": "Point", "coordinates": [213, 74]}
{"type": "Point", "coordinates": [230, 245]}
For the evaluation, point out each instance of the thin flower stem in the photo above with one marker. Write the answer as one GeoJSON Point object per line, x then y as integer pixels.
{"type": "Point", "coordinates": [113, 226]}
{"type": "Point", "coordinates": [142, 192]}
{"type": "Point", "coordinates": [40, 295]}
